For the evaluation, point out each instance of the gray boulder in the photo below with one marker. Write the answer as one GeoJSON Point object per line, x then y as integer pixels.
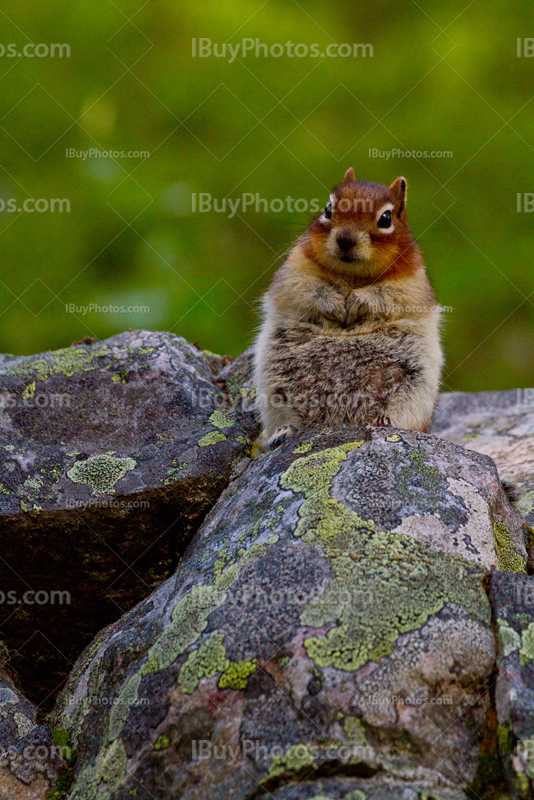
{"type": "Point", "coordinates": [111, 454]}
{"type": "Point", "coordinates": [327, 635]}
{"type": "Point", "coordinates": [499, 424]}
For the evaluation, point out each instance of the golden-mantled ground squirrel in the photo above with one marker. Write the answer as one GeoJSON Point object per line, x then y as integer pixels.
{"type": "Point", "coordinates": [351, 326]}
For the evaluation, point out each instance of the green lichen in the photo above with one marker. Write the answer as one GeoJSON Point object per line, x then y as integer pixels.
{"type": "Point", "coordinates": [504, 740]}
{"type": "Point", "coordinates": [29, 391]}
{"type": "Point", "coordinates": [237, 674]}
{"type": "Point", "coordinates": [211, 438]}
{"type": "Point", "coordinates": [120, 709]}
{"type": "Point", "coordinates": [204, 662]}
{"type": "Point", "coordinates": [220, 420]}
{"type": "Point", "coordinates": [526, 653]}
{"type": "Point", "coordinates": [34, 483]}
{"type": "Point", "coordinates": [394, 437]}
{"type": "Point", "coordinates": [409, 583]}
{"type": "Point", "coordinates": [356, 794]}
{"type": "Point", "coordinates": [101, 472]}
{"type": "Point", "coordinates": [162, 742]}
{"type": "Point", "coordinates": [507, 557]}
{"type": "Point", "coordinates": [173, 470]}
{"type": "Point", "coordinates": [305, 447]}
{"type": "Point", "coordinates": [66, 362]}
{"type": "Point", "coordinates": [189, 620]}
{"type": "Point", "coordinates": [296, 758]}
{"type": "Point", "coordinates": [523, 784]}
{"type": "Point", "coordinates": [23, 723]}
{"type": "Point", "coordinates": [3, 489]}
{"type": "Point", "coordinates": [430, 476]}
{"type": "Point", "coordinates": [112, 767]}
{"type": "Point", "coordinates": [509, 639]}
{"type": "Point", "coordinates": [355, 731]}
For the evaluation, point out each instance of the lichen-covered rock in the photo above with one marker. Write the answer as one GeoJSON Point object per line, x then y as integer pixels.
{"type": "Point", "coordinates": [512, 599]}
{"type": "Point", "coordinates": [32, 765]}
{"type": "Point", "coordinates": [329, 620]}
{"type": "Point", "coordinates": [499, 424]}
{"type": "Point", "coordinates": [110, 456]}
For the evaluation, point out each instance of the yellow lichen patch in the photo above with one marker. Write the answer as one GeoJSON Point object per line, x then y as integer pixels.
{"type": "Point", "coordinates": [508, 559]}
{"type": "Point", "coordinates": [220, 420]}
{"type": "Point", "coordinates": [211, 438]}
{"type": "Point", "coordinates": [29, 391]}
{"type": "Point", "coordinates": [527, 645]}
{"type": "Point", "coordinates": [296, 758]}
{"type": "Point", "coordinates": [405, 583]}
{"type": "Point", "coordinates": [101, 472]}
{"type": "Point", "coordinates": [67, 362]}
{"type": "Point", "coordinates": [237, 674]}
{"type": "Point", "coordinates": [204, 662]}
{"type": "Point", "coordinates": [305, 447]}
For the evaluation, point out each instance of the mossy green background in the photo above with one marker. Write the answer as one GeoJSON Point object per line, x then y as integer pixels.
{"type": "Point", "coordinates": [443, 77]}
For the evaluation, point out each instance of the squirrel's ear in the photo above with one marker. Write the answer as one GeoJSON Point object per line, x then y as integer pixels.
{"type": "Point", "coordinates": [349, 175]}
{"type": "Point", "coordinates": [398, 187]}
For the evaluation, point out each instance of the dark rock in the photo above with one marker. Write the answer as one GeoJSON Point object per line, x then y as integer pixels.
{"type": "Point", "coordinates": [110, 456]}
{"type": "Point", "coordinates": [31, 764]}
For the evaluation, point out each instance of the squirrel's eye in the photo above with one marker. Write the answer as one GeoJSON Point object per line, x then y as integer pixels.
{"type": "Point", "coordinates": [385, 220]}
{"type": "Point", "coordinates": [328, 211]}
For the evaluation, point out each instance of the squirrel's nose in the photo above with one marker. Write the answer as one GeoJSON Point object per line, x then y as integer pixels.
{"type": "Point", "coordinates": [345, 241]}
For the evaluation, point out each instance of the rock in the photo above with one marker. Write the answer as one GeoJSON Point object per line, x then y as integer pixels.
{"type": "Point", "coordinates": [512, 598]}
{"type": "Point", "coordinates": [327, 629]}
{"type": "Point", "coordinates": [110, 456]}
{"type": "Point", "coordinates": [30, 762]}
{"type": "Point", "coordinates": [499, 424]}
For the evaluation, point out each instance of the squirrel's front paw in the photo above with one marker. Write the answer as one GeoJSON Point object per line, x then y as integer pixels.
{"type": "Point", "coordinates": [356, 309]}
{"type": "Point", "coordinates": [331, 305]}
{"type": "Point", "coordinates": [280, 435]}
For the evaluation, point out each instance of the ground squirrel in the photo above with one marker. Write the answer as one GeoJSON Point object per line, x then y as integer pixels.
{"type": "Point", "coordinates": [351, 326]}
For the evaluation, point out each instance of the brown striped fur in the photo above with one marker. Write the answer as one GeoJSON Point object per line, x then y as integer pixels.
{"type": "Point", "coordinates": [351, 326]}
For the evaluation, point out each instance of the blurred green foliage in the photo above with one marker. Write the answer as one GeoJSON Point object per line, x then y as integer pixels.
{"type": "Point", "coordinates": [442, 77]}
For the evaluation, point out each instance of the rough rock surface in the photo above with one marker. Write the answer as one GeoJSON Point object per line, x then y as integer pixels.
{"type": "Point", "coordinates": [110, 456]}
{"type": "Point", "coordinates": [327, 635]}
{"type": "Point", "coordinates": [499, 424]}
{"type": "Point", "coordinates": [31, 764]}
{"type": "Point", "coordinates": [512, 598]}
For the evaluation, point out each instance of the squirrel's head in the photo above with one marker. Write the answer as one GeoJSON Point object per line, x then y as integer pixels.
{"type": "Point", "coordinates": [363, 231]}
